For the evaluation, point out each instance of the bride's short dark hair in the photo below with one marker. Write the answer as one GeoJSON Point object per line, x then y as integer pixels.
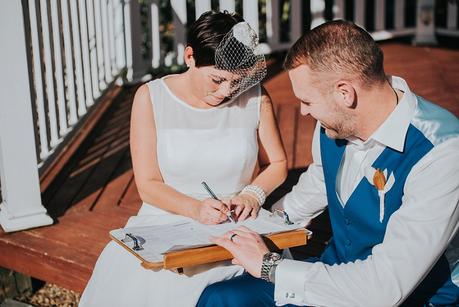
{"type": "Point", "coordinates": [207, 32]}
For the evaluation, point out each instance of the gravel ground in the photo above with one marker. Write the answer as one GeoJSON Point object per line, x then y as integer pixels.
{"type": "Point", "coordinates": [52, 295]}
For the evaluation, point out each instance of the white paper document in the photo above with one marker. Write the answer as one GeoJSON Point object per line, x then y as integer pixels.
{"type": "Point", "coordinates": [156, 240]}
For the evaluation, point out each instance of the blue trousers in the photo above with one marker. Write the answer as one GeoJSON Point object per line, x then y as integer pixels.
{"type": "Point", "coordinates": [240, 291]}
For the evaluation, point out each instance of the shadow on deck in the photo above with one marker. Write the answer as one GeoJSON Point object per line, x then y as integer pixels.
{"type": "Point", "coordinates": [95, 191]}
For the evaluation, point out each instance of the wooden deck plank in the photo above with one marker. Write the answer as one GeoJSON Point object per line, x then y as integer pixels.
{"type": "Point", "coordinates": [131, 199]}
{"type": "Point", "coordinates": [287, 118]}
{"type": "Point", "coordinates": [77, 139]}
{"type": "Point", "coordinates": [41, 266]}
{"type": "Point", "coordinates": [104, 170]}
{"type": "Point", "coordinates": [116, 187]}
{"type": "Point", "coordinates": [86, 174]}
{"type": "Point", "coordinates": [98, 183]}
{"type": "Point", "coordinates": [304, 133]}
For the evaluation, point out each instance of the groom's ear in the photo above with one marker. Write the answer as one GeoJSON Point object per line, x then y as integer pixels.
{"type": "Point", "coordinates": [345, 93]}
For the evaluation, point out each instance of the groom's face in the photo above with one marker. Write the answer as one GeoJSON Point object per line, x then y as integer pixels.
{"type": "Point", "coordinates": [316, 94]}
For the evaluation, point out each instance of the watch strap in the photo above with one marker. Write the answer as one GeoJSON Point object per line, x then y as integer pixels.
{"type": "Point", "coordinates": [269, 260]}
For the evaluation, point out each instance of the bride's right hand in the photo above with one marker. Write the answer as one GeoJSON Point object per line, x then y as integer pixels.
{"type": "Point", "coordinates": [211, 211]}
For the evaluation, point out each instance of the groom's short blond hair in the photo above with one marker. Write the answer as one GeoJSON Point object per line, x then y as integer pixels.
{"type": "Point", "coordinates": [339, 47]}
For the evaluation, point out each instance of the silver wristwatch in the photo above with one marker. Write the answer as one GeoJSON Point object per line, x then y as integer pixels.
{"type": "Point", "coordinates": [270, 262]}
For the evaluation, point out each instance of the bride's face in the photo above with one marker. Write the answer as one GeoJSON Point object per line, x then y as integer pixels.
{"type": "Point", "coordinates": [216, 86]}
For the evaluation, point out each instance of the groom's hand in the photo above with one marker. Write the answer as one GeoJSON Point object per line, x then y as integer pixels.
{"type": "Point", "coordinates": [246, 246]}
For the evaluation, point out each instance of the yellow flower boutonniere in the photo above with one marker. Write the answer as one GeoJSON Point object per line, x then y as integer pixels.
{"type": "Point", "coordinates": [378, 178]}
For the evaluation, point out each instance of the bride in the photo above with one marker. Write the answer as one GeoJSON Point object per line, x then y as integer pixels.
{"type": "Point", "coordinates": [212, 123]}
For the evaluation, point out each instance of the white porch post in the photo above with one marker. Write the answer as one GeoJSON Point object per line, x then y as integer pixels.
{"type": "Point", "coordinates": [425, 23]}
{"type": "Point", "coordinates": [21, 206]}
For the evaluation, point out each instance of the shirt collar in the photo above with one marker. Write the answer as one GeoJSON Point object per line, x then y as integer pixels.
{"type": "Point", "coordinates": [392, 132]}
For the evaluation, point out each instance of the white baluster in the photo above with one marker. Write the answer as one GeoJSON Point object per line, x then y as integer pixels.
{"type": "Point", "coordinates": [77, 55]}
{"type": "Point", "coordinates": [317, 13]}
{"type": "Point", "coordinates": [250, 10]}
{"type": "Point", "coordinates": [128, 39]}
{"type": "Point", "coordinates": [399, 14]}
{"type": "Point", "coordinates": [228, 5]}
{"type": "Point", "coordinates": [134, 62]}
{"type": "Point", "coordinates": [92, 48]}
{"type": "Point", "coordinates": [380, 15]}
{"type": "Point", "coordinates": [359, 12]}
{"type": "Point", "coordinates": [452, 15]}
{"type": "Point", "coordinates": [85, 53]}
{"type": "Point", "coordinates": [272, 24]}
{"type": "Point", "coordinates": [296, 23]}
{"type": "Point", "coordinates": [54, 140]}
{"type": "Point", "coordinates": [38, 78]}
{"type": "Point", "coordinates": [100, 45]}
{"type": "Point", "coordinates": [119, 34]}
{"type": "Point", "coordinates": [58, 73]}
{"type": "Point", "coordinates": [106, 41]}
{"type": "Point", "coordinates": [155, 34]}
{"type": "Point", "coordinates": [111, 35]}
{"type": "Point", "coordinates": [21, 206]}
{"type": "Point", "coordinates": [71, 95]}
{"type": "Point", "coordinates": [425, 23]}
{"type": "Point", "coordinates": [338, 9]}
{"type": "Point", "coordinates": [202, 6]}
{"type": "Point", "coordinates": [180, 20]}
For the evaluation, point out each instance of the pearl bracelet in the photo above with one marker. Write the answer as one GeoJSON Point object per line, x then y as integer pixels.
{"type": "Point", "coordinates": [256, 191]}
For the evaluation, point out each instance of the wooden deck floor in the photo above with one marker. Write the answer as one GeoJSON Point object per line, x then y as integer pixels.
{"type": "Point", "coordinates": [95, 192]}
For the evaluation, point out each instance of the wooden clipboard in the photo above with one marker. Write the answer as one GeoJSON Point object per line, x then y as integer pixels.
{"type": "Point", "coordinates": [215, 253]}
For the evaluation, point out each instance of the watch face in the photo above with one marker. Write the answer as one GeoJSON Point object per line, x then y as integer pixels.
{"type": "Point", "coordinates": [276, 256]}
{"type": "Point", "coordinates": [272, 257]}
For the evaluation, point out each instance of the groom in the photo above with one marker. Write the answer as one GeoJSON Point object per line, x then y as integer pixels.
{"type": "Point", "coordinates": [385, 165]}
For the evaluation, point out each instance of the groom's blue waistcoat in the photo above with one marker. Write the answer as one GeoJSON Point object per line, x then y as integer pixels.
{"type": "Point", "coordinates": [356, 226]}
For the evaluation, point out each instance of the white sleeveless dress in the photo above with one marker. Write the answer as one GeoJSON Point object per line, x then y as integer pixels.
{"type": "Point", "coordinates": [217, 145]}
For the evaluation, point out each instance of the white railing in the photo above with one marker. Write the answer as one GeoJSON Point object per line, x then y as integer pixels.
{"type": "Point", "coordinates": [451, 28]}
{"type": "Point", "coordinates": [63, 54]}
{"type": "Point", "coordinates": [74, 57]}
{"type": "Point", "coordinates": [59, 56]}
{"type": "Point", "coordinates": [422, 29]}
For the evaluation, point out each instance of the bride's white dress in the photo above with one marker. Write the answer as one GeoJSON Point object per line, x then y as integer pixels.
{"type": "Point", "coordinates": [217, 145]}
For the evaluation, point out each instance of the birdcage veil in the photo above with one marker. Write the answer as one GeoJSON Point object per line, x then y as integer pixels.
{"type": "Point", "coordinates": [239, 54]}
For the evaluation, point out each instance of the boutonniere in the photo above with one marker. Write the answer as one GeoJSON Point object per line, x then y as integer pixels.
{"type": "Point", "coordinates": [378, 178]}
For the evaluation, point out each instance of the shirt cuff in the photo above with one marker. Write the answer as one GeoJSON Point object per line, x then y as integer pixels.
{"type": "Point", "coordinates": [290, 278]}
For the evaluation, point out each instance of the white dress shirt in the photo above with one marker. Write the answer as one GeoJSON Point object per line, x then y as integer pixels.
{"type": "Point", "coordinates": [417, 234]}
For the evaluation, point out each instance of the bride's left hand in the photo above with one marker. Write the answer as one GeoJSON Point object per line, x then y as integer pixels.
{"type": "Point", "coordinates": [245, 206]}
